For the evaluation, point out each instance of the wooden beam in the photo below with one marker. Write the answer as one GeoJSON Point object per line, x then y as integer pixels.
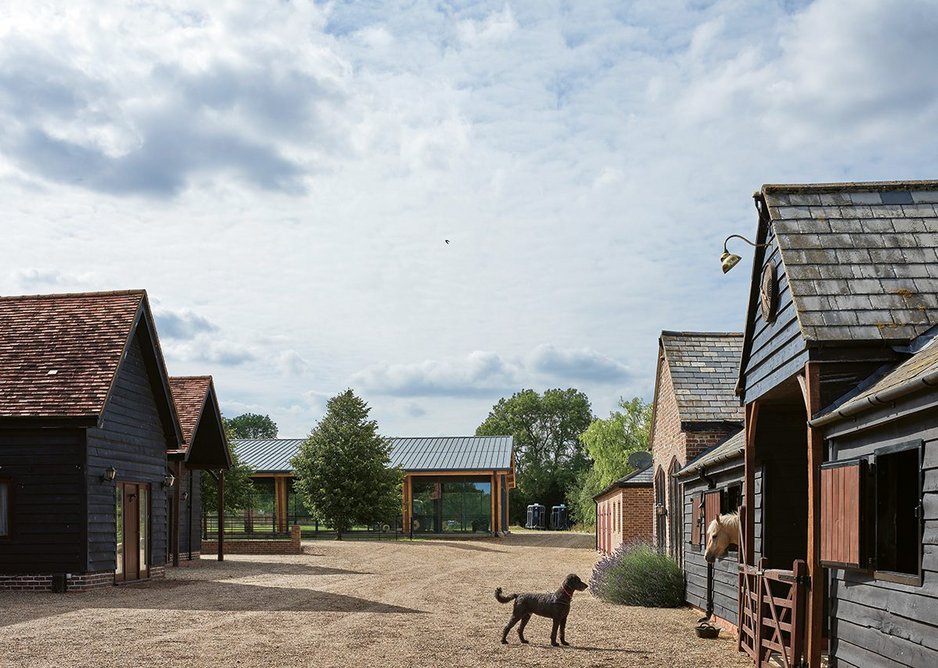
{"type": "Point", "coordinates": [493, 486]}
{"type": "Point", "coordinates": [221, 515]}
{"type": "Point", "coordinates": [747, 555]}
{"type": "Point", "coordinates": [174, 528]}
{"type": "Point", "coordinates": [408, 503]}
{"type": "Point", "coordinates": [815, 595]}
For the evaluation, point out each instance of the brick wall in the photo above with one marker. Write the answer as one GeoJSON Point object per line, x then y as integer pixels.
{"type": "Point", "coordinates": [637, 514]}
{"type": "Point", "coordinates": [668, 442]}
{"type": "Point", "coordinates": [623, 515]}
{"type": "Point", "coordinates": [291, 546]}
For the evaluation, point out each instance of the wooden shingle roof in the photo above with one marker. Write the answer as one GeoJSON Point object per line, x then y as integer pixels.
{"type": "Point", "coordinates": [861, 258]}
{"type": "Point", "coordinates": [59, 353]}
{"type": "Point", "coordinates": [704, 368]}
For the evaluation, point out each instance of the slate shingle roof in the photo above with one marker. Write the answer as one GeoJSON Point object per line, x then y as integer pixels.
{"type": "Point", "coordinates": [465, 453]}
{"type": "Point", "coordinates": [189, 394]}
{"type": "Point", "coordinates": [59, 353]}
{"type": "Point", "coordinates": [861, 258]}
{"type": "Point", "coordinates": [640, 478]}
{"type": "Point", "coordinates": [460, 453]}
{"type": "Point", "coordinates": [704, 367]}
{"type": "Point", "coordinates": [730, 449]}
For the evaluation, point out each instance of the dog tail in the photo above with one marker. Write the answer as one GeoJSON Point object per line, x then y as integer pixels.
{"type": "Point", "coordinates": [504, 599]}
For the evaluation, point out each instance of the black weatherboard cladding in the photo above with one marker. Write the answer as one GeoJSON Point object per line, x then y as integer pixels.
{"type": "Point", "coordinates": [133, 441]}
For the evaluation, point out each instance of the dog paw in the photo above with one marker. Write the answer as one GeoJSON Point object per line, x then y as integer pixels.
{"type": "Point", "coordinates": [524, 641]}
{"type": "Point", "coordinates": [504, 641]}
{"type": "Point", "coordinates": [564, 642]}
{"type": "Point", "coordinates": [554, 644]}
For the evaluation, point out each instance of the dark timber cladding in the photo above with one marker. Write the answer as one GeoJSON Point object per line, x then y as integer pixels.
{"type": "Point", "coordinates": [886, 610]}
{"type": "Point", "coordinates": [719, 473]}
{"type": "Point", "coordinates": [856, 278]}
{"type": "Point", "coordinates": [83, 389]}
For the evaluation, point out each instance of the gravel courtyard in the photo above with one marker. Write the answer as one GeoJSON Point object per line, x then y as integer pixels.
{"type": "Point", "coordinates": [350, 603]}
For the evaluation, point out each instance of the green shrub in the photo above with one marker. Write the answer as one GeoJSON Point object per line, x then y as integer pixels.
{"type": "Point", "coordinates": [637, 574]}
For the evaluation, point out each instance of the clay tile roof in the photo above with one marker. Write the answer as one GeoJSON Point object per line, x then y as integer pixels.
{"type": "Point", "coordinates": [704, 367]}
{"type": "Point", "coordinates": [189, 393]}
{"type": "Point", "coordinates": [861, 258]}
{"type": "Point", "coordinates": [59, 353]}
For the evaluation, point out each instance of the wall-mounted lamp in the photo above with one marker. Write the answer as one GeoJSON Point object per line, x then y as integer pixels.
{"type": "Point", "coordinates": [728, 260]}
{"type": "Point", "coordinates": [109, 475]}
{"type": "Point", "coordinates": [169, 480]}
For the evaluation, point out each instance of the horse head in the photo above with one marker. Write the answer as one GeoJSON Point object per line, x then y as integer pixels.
{"type": "Point", "coordinates": [721, 533]}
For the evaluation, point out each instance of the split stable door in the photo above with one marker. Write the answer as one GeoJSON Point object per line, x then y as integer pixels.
{"type": "Point", "coordinates": [132, 503]}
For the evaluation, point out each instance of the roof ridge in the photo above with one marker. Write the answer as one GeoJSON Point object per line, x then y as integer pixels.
{"type": "Point", "coordinates": [858, 186]}
{"type": "Point", "coordinates": [671, 332]}
{"type": "Point", "coordinates": [200, 377]}
{"type": "Point", "coordinates": [74, 295]}
{"type": "Point", "coordinates": [415, 438]}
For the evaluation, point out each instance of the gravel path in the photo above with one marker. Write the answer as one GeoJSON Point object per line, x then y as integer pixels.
{"type": "Point", "coordinates": [349, 604]}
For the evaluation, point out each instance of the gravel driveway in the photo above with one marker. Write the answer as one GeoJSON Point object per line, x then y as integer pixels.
{"type": "Point", "coordinates": [350, 603]}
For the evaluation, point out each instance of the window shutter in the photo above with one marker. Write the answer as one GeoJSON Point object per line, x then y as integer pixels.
{"type": "Point", "coordinates": [696, 514]}
{"type": "Point", "coordinates": [842, 530]}
{"type": "Point", "coordinates": [712, 504]}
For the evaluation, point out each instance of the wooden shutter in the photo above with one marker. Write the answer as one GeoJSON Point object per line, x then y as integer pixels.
{"type": "Point", "coordinates": [712, 504]}
{"type": "Point", "coordinates": [842, 530]}
{"type": "Point", "coordinates": [696, 515]}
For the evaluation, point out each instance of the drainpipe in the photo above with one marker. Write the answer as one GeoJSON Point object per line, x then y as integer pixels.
{"type": "Point", "coordinates": [711, 484]}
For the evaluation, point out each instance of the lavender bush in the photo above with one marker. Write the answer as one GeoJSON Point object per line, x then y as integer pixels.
{"type": "Point", "coordinates": [637, 574]}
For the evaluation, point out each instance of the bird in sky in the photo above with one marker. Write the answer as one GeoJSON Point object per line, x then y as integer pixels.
{"type": "Point", "coordinates": [447, 241]}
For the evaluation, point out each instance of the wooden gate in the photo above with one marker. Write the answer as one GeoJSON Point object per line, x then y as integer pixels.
{"type": "Point", "coordinates": [771, 611]}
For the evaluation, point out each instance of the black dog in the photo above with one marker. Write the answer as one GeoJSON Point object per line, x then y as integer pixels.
{"type": "Point", "coordinates": [555, 605]}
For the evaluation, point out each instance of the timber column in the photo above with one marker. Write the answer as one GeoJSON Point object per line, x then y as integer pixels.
{"type": "Point", "coordinates": [815, 599]}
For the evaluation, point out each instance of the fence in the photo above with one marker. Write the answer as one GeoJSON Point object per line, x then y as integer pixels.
{"type": "Point", "coordinates": [257, 525]}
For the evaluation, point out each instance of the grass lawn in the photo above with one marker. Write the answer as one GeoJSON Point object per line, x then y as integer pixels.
{"type": "Point", "coordinates": [350, 604]}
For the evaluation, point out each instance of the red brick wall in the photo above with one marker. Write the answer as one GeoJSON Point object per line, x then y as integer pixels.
{"type": "Point", "coordinates": [75, 583]}
{"type": "Point", "coordinates": [292, 546]}
{"type": "Point", "coordinates": [623, 515]}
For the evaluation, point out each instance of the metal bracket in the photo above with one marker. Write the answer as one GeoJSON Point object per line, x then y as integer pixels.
{"type": "Point", "coordinates": [804, 579]}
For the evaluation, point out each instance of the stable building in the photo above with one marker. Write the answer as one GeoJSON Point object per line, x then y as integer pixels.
{"type": "Point", "coordinates": [624, 511]}
{"type": "Point", "coordinates": [712, 485]}
{"type": "Point", "coordinates": [695, 408]}
{"type": "Point", "coordinates": [86, 420]}
{"type": "Point", "coordinates": [203, 451]}
{"type": "Point", "coordinates": [844, 285]}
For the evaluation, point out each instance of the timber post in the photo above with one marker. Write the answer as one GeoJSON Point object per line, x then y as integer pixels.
{"type": "Point", "coordinates": [815, 591]}
{"type": "Point", "coordinates": [221, 515]}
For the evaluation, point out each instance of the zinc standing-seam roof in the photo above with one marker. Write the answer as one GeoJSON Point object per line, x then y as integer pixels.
{"type": "Point", "coordinates": [452, 453]}
{"type": "Point", "coordinates": [437, 453]}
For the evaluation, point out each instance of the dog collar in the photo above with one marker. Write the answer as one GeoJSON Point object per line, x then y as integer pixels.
{"type": "Point", "coordinates": [566, 591]}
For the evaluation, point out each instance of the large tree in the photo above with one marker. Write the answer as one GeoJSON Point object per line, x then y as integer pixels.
{"type": "Point", "coordinates": [548, 453]}
{"type": "Point", "coordinates": [252, 425]}
{"type": "Point", "coordinates": [343, 470]}
{"type": "Point", "coordinates": [609, 442]}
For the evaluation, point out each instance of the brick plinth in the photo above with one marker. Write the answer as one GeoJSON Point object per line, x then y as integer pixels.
{"type": "Point", "coordinates": [291, 546]}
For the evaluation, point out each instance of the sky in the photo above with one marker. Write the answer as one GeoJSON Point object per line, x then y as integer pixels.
{"type": "Point", "coordinates": [283, 178]}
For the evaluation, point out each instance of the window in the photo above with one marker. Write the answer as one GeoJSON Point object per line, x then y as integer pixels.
{"type": "Point", "coordinates": [732, 499]}
{"type": "Point", "coordinates": [4, 508]}
{"type": "Point", "coordinates": [898, 511]}
{"type": "Point", "coordinates": [871, 514]}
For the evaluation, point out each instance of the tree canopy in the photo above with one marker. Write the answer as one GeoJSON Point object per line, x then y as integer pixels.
{"type": "Point", "coordinates": [548, 452]}
{"type": "Point", "coordinates": [609, 442]}
{"type": "Point", "coordinates": [252, 425]}
{"type": "Point", "coordinates": [342, 470]}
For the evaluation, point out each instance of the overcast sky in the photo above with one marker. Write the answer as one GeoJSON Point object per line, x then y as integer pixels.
{"type": "Point", "coordinates": [282, 176]}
